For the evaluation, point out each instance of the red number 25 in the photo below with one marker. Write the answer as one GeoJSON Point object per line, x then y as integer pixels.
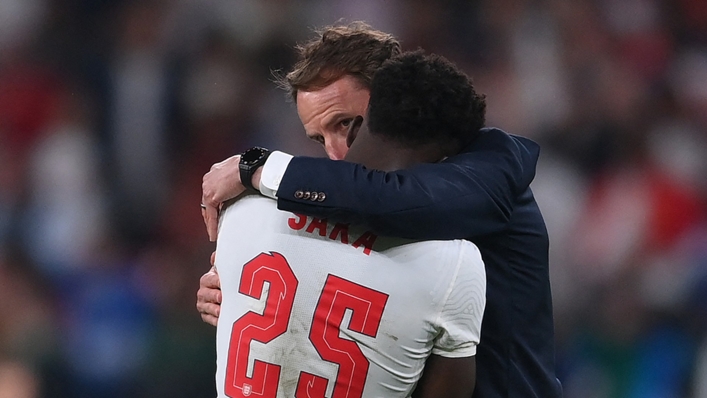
{"type": "Point", "coordinates": [338, 295]}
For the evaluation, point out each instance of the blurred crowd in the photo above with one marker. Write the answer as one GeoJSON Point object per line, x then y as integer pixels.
{"type": "Point", "coordinates": [112, 110]}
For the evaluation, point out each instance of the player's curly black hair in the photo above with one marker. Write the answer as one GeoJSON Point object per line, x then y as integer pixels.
{"type": "Point", "coordinates": [419, 99]}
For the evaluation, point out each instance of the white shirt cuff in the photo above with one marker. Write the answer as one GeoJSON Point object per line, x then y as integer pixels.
{"type": "Point", "coordinates": [273, 171]}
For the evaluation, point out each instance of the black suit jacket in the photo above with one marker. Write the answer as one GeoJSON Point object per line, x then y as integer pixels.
{"type": "Point", "coordinates": [482, 194]}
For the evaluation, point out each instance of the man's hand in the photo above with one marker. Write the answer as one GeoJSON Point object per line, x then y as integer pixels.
{"type": "Point", "coordinates": [221, 183]}
{"type": "Point", "coordinates": [208, 298]}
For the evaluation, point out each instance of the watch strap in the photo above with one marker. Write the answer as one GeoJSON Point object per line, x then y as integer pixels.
{"type": "Point", "coordinates": [250, 160]}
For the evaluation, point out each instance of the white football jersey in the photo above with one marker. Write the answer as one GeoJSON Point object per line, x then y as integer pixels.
{"type": "Point", "coordinates": [313, 308]}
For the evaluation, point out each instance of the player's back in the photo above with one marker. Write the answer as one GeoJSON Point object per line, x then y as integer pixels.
{"type": "Point", "coordinates": [313, 308]}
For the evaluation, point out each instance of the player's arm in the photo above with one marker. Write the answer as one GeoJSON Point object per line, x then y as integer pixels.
{"type": "Point", "coordinates": [447, 377]}
{"type": "Point", "coordinates": [451, 369]}
{"type": "Point", "coordinates": [468, 195]}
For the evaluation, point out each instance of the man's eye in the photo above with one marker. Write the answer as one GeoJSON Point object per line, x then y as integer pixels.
{"type": "Point", "coordinates": [346, 122]}
{"type": "Point", "coordinates": [318, 138]}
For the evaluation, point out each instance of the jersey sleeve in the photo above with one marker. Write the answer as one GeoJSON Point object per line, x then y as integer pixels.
{"type": "Point", "coordinates": [459, 321]}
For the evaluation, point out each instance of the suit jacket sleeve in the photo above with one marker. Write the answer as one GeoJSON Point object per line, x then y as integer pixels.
{"type": "Point", "coordinates": [467, 195]}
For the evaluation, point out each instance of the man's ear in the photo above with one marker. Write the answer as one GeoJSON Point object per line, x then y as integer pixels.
{"type": "Point", "coordinates": [353, 130]}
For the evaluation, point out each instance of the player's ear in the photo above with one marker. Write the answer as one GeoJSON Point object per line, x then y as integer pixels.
{"type": "Point", "coordinates": [353, 130]}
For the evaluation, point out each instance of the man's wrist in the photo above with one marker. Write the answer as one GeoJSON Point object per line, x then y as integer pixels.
{"type": "Point", "coordinates": [250, 161]}
{"type": "Point", "coordinates": [271, 173]}
{"type": "Point", "coordinates": [257, 176]}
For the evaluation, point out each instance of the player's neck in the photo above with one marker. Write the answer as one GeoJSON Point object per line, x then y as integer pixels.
{"type": "Point", "coordinates": [378, 154]}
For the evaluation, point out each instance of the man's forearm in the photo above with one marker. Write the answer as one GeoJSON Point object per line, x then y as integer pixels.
{"type": "Point", "coordinates": [415, 204]}
{"type": "Point", "coordinates": [470, 195]}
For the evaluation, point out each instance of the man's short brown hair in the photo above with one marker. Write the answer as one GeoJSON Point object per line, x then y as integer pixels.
{"type": "Point", "coordinates": [355, 49]}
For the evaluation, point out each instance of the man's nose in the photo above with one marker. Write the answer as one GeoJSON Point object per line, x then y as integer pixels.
{"type": "Point", "coordinates": [335, 153]}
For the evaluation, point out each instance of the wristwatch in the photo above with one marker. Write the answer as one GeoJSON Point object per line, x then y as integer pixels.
{"type": "Point", "coordinates": [251, 159]}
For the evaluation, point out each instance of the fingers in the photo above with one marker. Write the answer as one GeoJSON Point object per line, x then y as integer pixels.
{"type": "Point", "coordinates": [209, 212]}
{"type": "Point", "coordinates": [208, 297]}
{"type": "Point", "coordinates": [208, 304]}
{"type": "Point", "coordinates": [209, 309]}
{"type": "Point", "coordinates": [213, 261]}
{"type": "Point", "coordinates": [210, 215]}
{"type": "Point", "coordinates": [220, 184]}
{"type": "Point", "coordinates": [210, 280]}
{"type": "Point", "coordinates": [209, 313]}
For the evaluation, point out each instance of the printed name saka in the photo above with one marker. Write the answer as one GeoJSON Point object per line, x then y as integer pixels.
{"type": "Point", "coordinates": [339, 231]}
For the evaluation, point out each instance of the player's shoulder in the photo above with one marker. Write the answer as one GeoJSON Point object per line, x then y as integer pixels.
{"type": "Point", "coordinates": [248, 211]}
{"type": "Point", "coordinates": [460, 246]}
{"type": "Point", "coordinates": [462, 255]}
{"type": "Point", "coordinates": [471, 264]}
{"type": "Point", "coordinates": [468, 250]}
{"type": "Point", "coordinates": [448, 252]}
{"type": "Point", "coordinates": [246, 203]}
{"type": "Point", "coordinates": [454, 267]}
{"type": "Point", "coordinates": [467, 254]}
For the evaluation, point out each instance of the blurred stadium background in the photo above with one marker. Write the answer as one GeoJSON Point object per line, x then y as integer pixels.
{"type": "Point", "coordinates": [112, 110]}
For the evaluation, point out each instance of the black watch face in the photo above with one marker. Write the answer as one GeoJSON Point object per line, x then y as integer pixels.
{"type": "Point", "coordinates": [252, 155]}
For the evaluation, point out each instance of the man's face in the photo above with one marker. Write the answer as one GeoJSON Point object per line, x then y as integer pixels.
{"type": "Point", "coordinates": [327, 113]}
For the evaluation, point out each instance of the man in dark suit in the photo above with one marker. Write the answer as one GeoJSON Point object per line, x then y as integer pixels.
{"type": "Point", "coordinates": [481, 194]}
